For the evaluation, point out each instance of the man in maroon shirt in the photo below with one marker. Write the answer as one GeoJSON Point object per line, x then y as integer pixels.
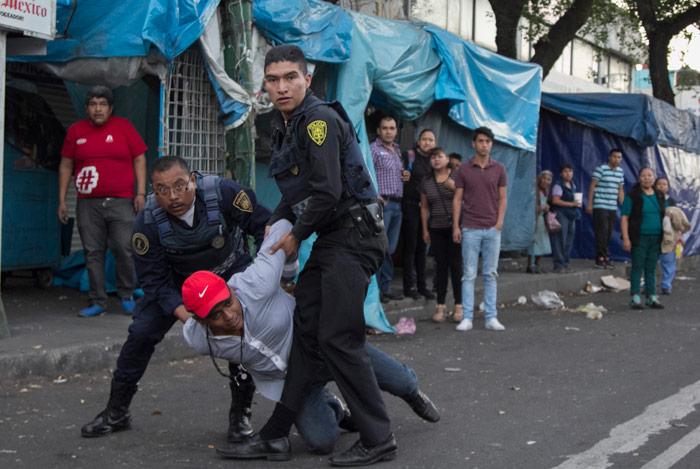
{"type": "Point", "coordinates": [105, 154]}
{"type": "Point", "coordinates": [480, 202]}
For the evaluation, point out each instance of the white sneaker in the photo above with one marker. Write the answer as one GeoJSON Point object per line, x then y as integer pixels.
{"type": "Point", "coordinates": [464, 325]}
{"type": "Point", "coordinates": [494, 325]}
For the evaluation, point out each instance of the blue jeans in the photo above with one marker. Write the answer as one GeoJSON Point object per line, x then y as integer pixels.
{"type": "Point", "coordinates": [318, 419]}
{"type": "Point", "coordinates": [563, 241]}
{"type": "Point", "coordinates": [668, 269]}
{"type": "Point", "coordinates": [392, 225]}
{"type": "Point", "coordinates": [488, 243]}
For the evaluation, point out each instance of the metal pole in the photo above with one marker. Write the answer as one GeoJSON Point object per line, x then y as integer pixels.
{"type": "Point", "coordinates": [236, 31]}
{"type": "Point", "coordinates": [4, 329]}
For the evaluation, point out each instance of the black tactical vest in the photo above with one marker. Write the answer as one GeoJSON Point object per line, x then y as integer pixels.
{"type": "Point", "coordinates": [291, 170]}
{"type": "Point", "coordinates": [207, 245]}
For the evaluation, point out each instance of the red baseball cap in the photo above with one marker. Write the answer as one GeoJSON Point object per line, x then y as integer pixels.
{"type": "Point", "coordinates": [202, 291]}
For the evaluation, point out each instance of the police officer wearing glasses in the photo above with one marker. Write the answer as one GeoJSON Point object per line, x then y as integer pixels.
{"type": "Point", "coordinates": [326, 189]}
{"type": "Point", "coordinates": [190, 222]}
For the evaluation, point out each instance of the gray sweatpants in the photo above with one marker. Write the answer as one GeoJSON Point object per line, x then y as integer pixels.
{"type": "Point", "coordinates": [107, 222]}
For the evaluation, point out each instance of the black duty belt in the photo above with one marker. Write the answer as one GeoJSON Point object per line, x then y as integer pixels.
{"type": "Point", "coordinates": [391, 198]}
{"type": "Point", "coordinates": [343, 222]}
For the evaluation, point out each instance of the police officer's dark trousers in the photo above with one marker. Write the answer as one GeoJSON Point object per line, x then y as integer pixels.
{"type": "Point", "coordinates": [329, 328]}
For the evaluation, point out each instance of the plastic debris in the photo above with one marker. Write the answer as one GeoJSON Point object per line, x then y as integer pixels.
{"type": "Point", "coordinates": [592, 310]}
{"type": "Point", "coordinates": [531, 442]}
{"type": "Point", "coordinates": [682, 277]}
{"type": "Point", "coordinates": [615, 283]}
{"type": "Point", "coordinates": [547, 299]}
{"type": "Point", "coordinates": [453, 369]}
{"type": "Point", "coordinates": [522, 300]}
{"type": "Point", "coordinates": [481, 306]}
{"type": "Point", "coordinates": [587, 308]}
{"type": "Point", "coordinates": [405, 326]}
{"type": "Point", "coordinates": [590, 288]}
{"type": "Point", "coordinates": [567, 328]}
{"type": "Point", "coordinates": [60, 380]}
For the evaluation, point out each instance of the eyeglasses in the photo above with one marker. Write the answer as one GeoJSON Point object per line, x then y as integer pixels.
{"type": "Point", "coordinates": [178, 188]}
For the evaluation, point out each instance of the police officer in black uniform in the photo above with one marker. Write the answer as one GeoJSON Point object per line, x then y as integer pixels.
{"type": "Point", "coordinates": [190, 222]}
{"type": "Point", "coordinates": [326, 188]}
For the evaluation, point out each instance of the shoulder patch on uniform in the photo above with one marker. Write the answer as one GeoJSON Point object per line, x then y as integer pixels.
{"type": "Point", "coordinates": [317, 131]}
{"type": "Point", "coordinates": [242, 202]}
{"type": "Point", "coordinates": [140, 243]}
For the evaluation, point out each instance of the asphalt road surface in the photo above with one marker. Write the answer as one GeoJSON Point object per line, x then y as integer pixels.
{"type": "Point", "coordinates": [554, 390]}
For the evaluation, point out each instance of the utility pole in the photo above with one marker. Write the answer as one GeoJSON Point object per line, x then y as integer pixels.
{"type": "Point", "coordinates": [236, 18]}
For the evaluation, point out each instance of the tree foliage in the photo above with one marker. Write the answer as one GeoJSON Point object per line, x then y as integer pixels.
{"type": "Point", "coordinates": [662, 20]}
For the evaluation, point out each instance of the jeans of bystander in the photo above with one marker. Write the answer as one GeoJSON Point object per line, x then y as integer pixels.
{"type": "Point", "coordinates": [488, 243]}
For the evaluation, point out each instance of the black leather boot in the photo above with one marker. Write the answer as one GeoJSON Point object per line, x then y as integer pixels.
{"type": "Point", "coordinates": [239, 427]}
{"type": "Point", "coordinates": [116, 416]}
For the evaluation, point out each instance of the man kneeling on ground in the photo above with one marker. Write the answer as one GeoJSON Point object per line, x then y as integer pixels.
{"type": "Point", "coordinates": [250, 320]}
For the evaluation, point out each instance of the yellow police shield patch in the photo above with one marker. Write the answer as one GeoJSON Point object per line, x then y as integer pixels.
{"type": "Point", "coordinates": [317, 131]}
{"type": "Point", "coordinates": [243, 203]}
{"type": "Point", "coordinates": [140, 243]}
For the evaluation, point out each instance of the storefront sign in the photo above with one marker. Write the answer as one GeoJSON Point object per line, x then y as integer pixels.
{"type": "Point", "coordinates": [32, 17]}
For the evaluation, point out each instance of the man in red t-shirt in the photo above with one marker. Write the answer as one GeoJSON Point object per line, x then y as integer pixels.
{"type": "Point", "coordinates": [105, 154]}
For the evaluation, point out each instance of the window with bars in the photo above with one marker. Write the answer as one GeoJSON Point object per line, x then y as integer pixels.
{"type": "Point", "coordinates": [191, 126]}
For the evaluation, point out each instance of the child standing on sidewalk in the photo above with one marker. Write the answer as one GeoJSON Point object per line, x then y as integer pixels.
{"type": "Point", "coordinates": [668, 260]}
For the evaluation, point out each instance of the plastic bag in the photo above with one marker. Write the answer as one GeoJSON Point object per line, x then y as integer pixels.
{"type": "Point", "coordinates": [547, 299]}
{"type": "Point", "coordinates": [405, 326]}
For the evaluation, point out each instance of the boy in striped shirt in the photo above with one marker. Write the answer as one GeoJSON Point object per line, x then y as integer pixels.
{"type": "Point", "coordinates": [604, 194]}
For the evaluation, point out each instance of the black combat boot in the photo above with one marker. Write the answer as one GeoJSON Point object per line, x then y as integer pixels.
{"type": "Point", "coordinates": [116, 416]}
{"type": "Point", "coordinates": [239, 427]}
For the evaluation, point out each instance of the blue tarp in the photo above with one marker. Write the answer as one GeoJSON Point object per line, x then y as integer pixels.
{"type": "Point", "coordinates": [105, 28]}
{"type": "Point", "coordinates": [644, 119]}
{"type": "Point", "coordinates": [655, 137]}
{"type": "Point", "coordinates": [322, 30]}
{"type": "Point", "coordinates": [487, 89]}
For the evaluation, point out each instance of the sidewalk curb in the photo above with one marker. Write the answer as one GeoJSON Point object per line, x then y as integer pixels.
{"type": "Point", "coordinates": [83, 358]}
{"type": "Point", "coordinates": [524, 285]}
{"type": "Point", "coordinates": [101, 355]}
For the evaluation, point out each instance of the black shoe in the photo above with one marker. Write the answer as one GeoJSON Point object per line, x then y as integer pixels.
{"type": "Point", "coordinates": [257, 448]}
{"type": "Point", "coordinates": [412, 294]}
{"type": "Point", "coordinates": [427, 294]}
{"type": "Point", "coordinates": [106, 422]}
{"type": "Point", "coordinates": [395, 296]}
{"type": "Point", "coordinates": [665, 291]}
{"type": "Point", "coordinates": [116, 416]}
{"type": "Point", "coordinates": [239, 427]}
{"type": "Point", "coordinates": [600, 265]}
{"type": "Point", "coordinates": [423, 407]}
{"type": "Point", "coordinates": [360, 455]}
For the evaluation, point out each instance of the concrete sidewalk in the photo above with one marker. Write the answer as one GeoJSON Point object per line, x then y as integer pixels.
{"type": "Point", "coordinates": [48, 339]}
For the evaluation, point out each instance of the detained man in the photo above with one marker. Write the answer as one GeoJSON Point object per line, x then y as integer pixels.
{"type": "Point", "coordinates": [250, 321]}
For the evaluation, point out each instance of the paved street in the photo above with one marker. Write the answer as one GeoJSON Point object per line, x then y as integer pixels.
{"type": "Point", "coordinates": [554, 390]}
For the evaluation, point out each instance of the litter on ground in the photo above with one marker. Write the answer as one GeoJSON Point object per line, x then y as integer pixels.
{"type": "Point", "coordinates": [547, 299]}
{"type": "Point", "coordinates": [615, 283]}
